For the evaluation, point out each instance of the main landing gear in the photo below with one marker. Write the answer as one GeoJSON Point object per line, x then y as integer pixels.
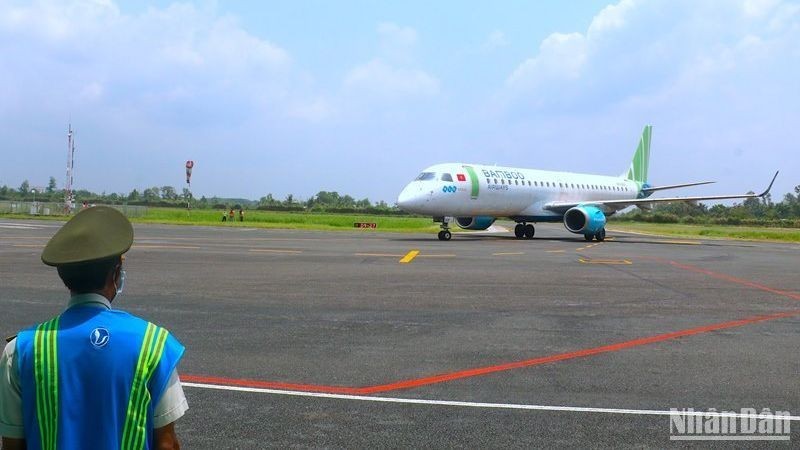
{"type": "Point", "coordinates": [525, 231]}
{"type": "Point", "coordinates": [600, 235]}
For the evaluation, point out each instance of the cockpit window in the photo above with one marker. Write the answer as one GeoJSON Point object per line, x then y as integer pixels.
{"type": "Point", "coordinates": [447, 177]}
{"type": "Point", "coordinates": [424, 176]}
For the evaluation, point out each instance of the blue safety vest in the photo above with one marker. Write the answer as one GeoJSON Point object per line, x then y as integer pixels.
{"type": "Point", "coordinates": [91, 378]}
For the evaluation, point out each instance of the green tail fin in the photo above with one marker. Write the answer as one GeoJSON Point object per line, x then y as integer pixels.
{"type": "Point", "coordinates": [641, 159]}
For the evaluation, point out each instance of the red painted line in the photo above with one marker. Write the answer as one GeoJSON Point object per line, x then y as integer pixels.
{"type": "Point", "coordinates": [441, 378]}
{"type": "Point", "coordinates": [418, 382]}
{"type": "Point", "coordinates": [732, 279]}
{"type": "Point", "coordinates": [574, 354]}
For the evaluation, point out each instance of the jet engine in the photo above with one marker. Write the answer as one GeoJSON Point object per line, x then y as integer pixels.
{"type": "Point", "coordinates": [475, 223]}
{"type": "Point", "coordinates": [584, 219]}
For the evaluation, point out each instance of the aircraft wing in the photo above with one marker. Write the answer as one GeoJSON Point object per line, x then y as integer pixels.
{"type": "Point", "coordinates": [675, 186]}
{"type": "Point", "coordinates": [615, 205]}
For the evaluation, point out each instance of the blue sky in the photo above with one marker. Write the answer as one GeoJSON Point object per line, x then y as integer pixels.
{"type": "Point", "coordinates": [358, 97]}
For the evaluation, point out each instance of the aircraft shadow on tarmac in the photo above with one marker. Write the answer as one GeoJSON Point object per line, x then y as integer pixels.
{"type": "Point", "coordinates": [572, 240]}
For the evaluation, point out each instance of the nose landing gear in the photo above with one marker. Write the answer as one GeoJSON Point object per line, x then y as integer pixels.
{"type": "Point", "coordinates": [525, 231]}
{"type": "Point", "coordinates": [445, 234]}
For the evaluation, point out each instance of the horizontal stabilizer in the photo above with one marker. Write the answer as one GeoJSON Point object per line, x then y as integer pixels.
{"type": "Point", "coordinates": [675, 186]}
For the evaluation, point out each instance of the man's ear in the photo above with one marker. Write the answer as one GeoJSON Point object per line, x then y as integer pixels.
{"type": "Point", "coordinates": [115, 274]}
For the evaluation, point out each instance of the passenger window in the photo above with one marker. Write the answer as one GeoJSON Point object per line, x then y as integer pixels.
{"type": "Point", "coordinates": [495, 181]}
{"type": "Point", "coordinates": [487, 181]}
{"type": "Point", "coordinates": [447, 177]}
{"type": "Point", "coordinates": [516, 182]}
{"type": "Point", "coordinates": [502, 181]}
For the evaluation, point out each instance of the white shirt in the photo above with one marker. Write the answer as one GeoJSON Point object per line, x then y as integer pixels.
{"type": "Point", "coordinates": [170, 407]}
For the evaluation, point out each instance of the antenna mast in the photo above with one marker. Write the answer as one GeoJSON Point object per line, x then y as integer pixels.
{"type": "Point", "coordinates": [69, 200]}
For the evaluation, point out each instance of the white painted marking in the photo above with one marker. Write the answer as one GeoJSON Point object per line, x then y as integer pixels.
{"type": "Point", "coordinates": [420, 401]}
{"type": "Point", "coordinates": [19, 227]}
{"type": "Point", "coordinates": [497, 229]}
{"type": "Point", "coordinates": [28, 226]}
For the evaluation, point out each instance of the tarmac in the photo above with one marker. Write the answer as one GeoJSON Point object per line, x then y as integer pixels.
{"type": "Point", "coordinates": [366, 339]}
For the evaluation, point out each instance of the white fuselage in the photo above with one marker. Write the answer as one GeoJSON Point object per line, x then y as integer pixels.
{"type": "Point", "coordinates": [480, 190]}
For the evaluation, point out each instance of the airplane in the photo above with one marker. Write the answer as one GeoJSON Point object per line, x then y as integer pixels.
{"type": "Point", "coordinates": [475, 195]}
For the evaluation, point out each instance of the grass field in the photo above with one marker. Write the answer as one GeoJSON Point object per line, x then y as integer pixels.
{"type": "Point", "coordinates": [710, 231]}
{"type": "Point", "coordinates": [290, 220]}
{"type": "Point", "coordinates": [323, 221]}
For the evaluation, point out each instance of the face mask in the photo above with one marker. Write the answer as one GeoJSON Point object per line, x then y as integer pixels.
{"type": "Point", "coordinates": [121, 284]}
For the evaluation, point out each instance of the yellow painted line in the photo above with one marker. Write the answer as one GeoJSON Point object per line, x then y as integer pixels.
{"type": "Point", "coordinates": [269, 250]}
{"type": "Point", "coordinates": [554, 251]}
{"type": "Point", "coordinates": [186, 247]}
{"type": "Point", "coordinates": [409, 256]}
{"type": "Point", "coordinates": [580, 248]}
{"type": "Point", "coordinates": [679, 242]}
{"type": "Point", "coordinates": [507, 253]}
{"type": "Point", "coordinates": [29, 245]}
{"type": "Point", "coordinates": [605, 261]}
{"type": "Point", "coordinates": [379, 254]}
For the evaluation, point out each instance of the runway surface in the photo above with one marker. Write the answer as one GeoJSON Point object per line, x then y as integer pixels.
{"type": "Point", "coordinates": [351, 339]}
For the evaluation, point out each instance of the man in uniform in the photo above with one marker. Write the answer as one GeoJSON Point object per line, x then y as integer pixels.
{"type": "Point", "coordinates": [91, 377]}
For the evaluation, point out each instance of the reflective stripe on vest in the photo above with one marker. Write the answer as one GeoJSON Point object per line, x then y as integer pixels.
{"type": "Point", "coordinates": [45, 355]}
{"type": "Point", "coordinates": [135, 430]}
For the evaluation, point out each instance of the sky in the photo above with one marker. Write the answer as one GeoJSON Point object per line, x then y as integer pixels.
{"type": "Point", "coordinates": [359, 96]}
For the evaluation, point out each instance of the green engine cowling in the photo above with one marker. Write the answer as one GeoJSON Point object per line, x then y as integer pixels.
{"type": "Point", "coordinates": [475, 223]}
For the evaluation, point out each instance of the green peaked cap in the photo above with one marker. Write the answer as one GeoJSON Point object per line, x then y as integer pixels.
{"type": "Point", "coordinates": [95, 233]}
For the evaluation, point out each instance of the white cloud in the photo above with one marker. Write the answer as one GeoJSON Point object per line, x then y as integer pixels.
{"type": "Point", "coordinates": [394, 74]}
{"type": "Point", "coordinates": [758, 8]}
{"type": "Point", "coordinates": [380, 79]}
{"type": "Point", "coordinates": [395, 34]}
{"type": "Point", "coordinates": [716, 79]}
{"type": "Point", "coordinates": [611, 17]}
{"type": "Point", "coordinates": [633, 49]}
{"type": "Point", "coordinates": [496, 39]}
{"type": "Point", "coordinates": [179, 64]}
{"type": "Point", "coordinates": [397, 44]}
{"type": "Point", "coordinates": [560, 56]}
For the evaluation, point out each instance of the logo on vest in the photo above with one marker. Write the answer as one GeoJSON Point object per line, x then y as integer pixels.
{"type": "Point", "coordinates": [99, 337]}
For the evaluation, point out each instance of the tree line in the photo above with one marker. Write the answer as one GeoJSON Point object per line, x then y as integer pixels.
{"type": "Point", "coordinates": [169, 196]}
{"type": "Point", "coordinates": [752, 211]}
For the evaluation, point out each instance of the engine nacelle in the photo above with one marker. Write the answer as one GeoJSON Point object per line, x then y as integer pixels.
{"type": "Point", "coordinates": [584, 219]}
{"type": "Point", "coordinates": [475, 223]}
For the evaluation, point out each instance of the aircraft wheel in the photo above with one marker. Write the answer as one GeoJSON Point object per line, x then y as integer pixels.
{"type": "Point", "coordinates": [519, 231]}
{"type": "Point", "coordinates": [588, 237]}
{"type": "Point", "coordinates": [445, 235]}
{"type": "Point", "coordinates": [601, 235]}
{"type": "Point", "coordinates": [529, 231]}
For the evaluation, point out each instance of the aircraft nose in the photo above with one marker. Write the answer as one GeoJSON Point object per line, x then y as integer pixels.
{"type": "Point", "coordinates": [408, 198]}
